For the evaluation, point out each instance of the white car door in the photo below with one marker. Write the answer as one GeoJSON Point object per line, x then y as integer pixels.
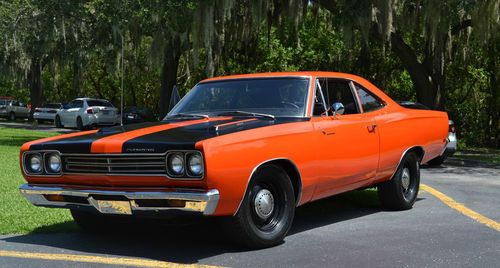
{"type": "Point", "coordinates": [74, 111]}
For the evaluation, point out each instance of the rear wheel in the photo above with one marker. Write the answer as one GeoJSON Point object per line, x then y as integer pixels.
{"type": "Point", "coordinates": [57, 121]}
{"type": "Point", "coordinates": [266, 213]}
{"type": "Point", "coordinates": [79, 123]}
{"type": "Point", "coordinates": [401, 191]}
{"type": "Point", "coordinates": [12, 116]}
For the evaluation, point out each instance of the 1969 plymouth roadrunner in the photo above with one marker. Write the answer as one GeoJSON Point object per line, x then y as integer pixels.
{"type": "Point", "coordinates": [253, 147]}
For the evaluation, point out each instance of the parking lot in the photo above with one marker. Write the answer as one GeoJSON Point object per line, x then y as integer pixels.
{"type": "Point", "coordinates": [454, 223]}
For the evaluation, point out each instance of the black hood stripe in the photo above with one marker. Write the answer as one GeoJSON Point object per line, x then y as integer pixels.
{"type": "Point", "coordinates": [185, 138]}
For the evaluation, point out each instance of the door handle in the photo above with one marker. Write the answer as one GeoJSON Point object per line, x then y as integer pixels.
{"type": "Point", "coordinates": [371, 128]}
{"type": "Point", "coordinates": [327, 131]}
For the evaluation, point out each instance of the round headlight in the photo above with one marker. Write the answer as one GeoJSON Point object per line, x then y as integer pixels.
{"type": "Point", "coordinates": [35, 163]}
{"type": "Point", "coordinates": [54, 163]}
{"type": "Point", "coordinates": [195, 164]}
{"type": "Point", "coordinates": [176, 164]}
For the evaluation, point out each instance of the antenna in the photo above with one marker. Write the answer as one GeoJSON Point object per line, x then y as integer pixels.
{"type": "Point", "coordinates": [123, 74]}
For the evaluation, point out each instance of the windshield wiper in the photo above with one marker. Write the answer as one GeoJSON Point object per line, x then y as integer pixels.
{"type": "Point", "coordinates": [243, 113]}
{"type": "Point", "coordinates": [189, 115]}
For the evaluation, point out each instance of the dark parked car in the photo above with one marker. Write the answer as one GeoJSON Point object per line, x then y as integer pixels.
{"type": "Point", "coordinates": [133, 114]}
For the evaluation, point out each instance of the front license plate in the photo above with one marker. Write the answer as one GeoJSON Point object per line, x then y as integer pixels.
{"type": "Point", "coordinates": [114, 207]}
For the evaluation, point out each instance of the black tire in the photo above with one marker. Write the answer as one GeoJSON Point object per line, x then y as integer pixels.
{"type": "Point", "coordinates": [401, 191]}
{"type": "Point", "coordinates": [438, 161]}
{"type": "Point", "coordinates": [79, 123]}
{"type": "Point", "coordinates": [250, 229]}
{"type": "Point", "coordinates": [12, 116]}
{"type": "Point", "coordinates": [57, 122]}
{"type": "Point", "coordinates": [98, 223]}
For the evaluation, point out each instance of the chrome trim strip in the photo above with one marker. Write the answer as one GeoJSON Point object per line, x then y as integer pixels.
{"type": "Point", "coordinates": [207, 200]}
{"type": "Point", "coordinates": [299, 196]}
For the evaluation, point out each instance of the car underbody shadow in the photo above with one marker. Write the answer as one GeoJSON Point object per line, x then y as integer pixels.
{"type": "Point", "coordinates": [191, 240]}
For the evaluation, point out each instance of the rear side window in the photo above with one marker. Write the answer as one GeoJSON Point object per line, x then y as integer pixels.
{"type": "Point", "coordinates": [77, 104]}
{"type": "Point", "coordinates": [99, 103]}
{"type": "Point", "coordinates": [368, 100]}
{"type": "Point", "coordinates": [2, 102]}
{"type": "Point", "coordinates": [52, 105]}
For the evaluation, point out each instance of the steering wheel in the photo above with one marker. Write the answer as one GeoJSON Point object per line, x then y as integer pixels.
{"type": "Point", "coordinates": [291, 104]}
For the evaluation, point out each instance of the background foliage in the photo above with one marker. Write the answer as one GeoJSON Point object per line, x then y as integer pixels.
{"type": "Point", "coordinates": [442, 53]}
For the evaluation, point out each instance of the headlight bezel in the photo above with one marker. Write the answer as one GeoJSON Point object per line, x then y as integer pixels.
{"type": "Point", "coordinates": [27, 163]}
{"type": "Point", "coordinates": [44, 154]}
{"type": "Point", "coordinates": [47, 163]}
{"type": "Point", "coordinates": [186, 174]}
{"type": "Point", "coordinates": [191, 156]}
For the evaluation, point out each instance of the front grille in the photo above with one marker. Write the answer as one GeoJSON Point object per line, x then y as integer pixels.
{"type": "Point", "coordinates": [114, 164]}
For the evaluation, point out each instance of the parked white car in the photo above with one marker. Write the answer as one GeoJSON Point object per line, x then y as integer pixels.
{"type": "Point", "coordinates": [82, 113]}
{"type": "Point", "coordinates": [47, 112]}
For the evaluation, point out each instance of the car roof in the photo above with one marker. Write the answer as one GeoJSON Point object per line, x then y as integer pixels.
{"type": "Point", "coordinates": [87, 99]}
{"type": "Point", "coordinates": [285, 74]}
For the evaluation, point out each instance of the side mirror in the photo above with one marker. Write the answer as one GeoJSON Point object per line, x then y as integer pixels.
{"type": "Point", "coordinates": [337, 108]}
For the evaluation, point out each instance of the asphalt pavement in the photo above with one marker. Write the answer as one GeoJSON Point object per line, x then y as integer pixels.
{"type": "Point", "coordinates": [349, 230]}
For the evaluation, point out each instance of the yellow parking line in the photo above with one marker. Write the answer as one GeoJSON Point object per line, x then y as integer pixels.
{"type": "Point", "coordinates": [95, 259]}
{"type": "Point", "coordinates": [461, 208]}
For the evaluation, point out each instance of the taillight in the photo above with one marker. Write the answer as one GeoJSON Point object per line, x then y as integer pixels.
{"type": "Point", "coordinates": [452, 128]}
{"type": "Point", "coordinates": [90, 111]}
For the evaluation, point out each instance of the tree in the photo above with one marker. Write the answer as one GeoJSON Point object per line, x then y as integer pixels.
{"type": "Point", "coordinates": [420, 33]}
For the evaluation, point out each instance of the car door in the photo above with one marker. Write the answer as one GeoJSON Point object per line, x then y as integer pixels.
{"type": "Point", "coordinates": [347, 144]}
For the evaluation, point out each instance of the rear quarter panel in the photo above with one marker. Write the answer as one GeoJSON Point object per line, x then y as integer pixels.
{"type": "Point", "coordinates": [401, 129]}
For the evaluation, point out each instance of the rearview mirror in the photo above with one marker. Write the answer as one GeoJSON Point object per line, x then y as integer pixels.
{"type": "Point", "coordinates": [337, 108]}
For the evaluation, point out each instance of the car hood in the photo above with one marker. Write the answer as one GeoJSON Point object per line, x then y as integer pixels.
{"type": "Point", "coordinates": [157, 137]}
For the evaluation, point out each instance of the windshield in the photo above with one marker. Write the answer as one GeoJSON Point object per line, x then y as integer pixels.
{"type": "Point", "coordinates": [280, 97]}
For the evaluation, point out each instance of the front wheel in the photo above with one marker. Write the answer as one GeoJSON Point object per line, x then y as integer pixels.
{"type": "Point", "coordinates": [57, 121]}
{"type": "Point", "coordinates": [401, 191]}
{"type": "Point", "coordinates": [79, 123]}
{"type": "Point", "coordinates": [266, 213]}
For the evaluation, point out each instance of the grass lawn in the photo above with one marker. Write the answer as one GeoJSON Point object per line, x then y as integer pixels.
{"type": "Point", "coordinates": [16, 214]}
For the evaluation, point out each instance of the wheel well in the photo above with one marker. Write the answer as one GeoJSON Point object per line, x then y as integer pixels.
{"type": "Point", "coordinates": [418, 150]}
{"type": "Point", "coordinates": [291, 169]}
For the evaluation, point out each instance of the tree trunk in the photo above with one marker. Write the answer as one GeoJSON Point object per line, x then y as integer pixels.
{"type": "Point", "coordinates": [168, 79]}
{"type": "Point", "coordinates": [35, 85]}
{"type": "Point", "coordinates": [428, 86]}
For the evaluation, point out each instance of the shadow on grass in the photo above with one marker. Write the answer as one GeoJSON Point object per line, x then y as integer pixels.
{"type": "Point", "coordinates": [191, 241]}
{"type": "Point", "coordinates": [17, 140]}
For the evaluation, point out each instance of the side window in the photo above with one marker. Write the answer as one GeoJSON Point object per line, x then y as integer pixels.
{"type": "Point", "coordinates": [368, 100]}
{"type": "Point", "coordinates": [338, 90]}
{"type": "Point", "coordinates": [78, 104]}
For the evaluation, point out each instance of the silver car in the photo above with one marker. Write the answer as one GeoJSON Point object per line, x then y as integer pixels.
{"type": "Point", "coordinates": [13, 109]}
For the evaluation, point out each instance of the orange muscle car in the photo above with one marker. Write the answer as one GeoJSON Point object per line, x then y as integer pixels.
{"type": "Point", "coordinates": [253, 147]}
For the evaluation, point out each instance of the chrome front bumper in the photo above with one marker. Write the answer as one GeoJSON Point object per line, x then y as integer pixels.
{"type": "Point", "coordinates": [122, 202]}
